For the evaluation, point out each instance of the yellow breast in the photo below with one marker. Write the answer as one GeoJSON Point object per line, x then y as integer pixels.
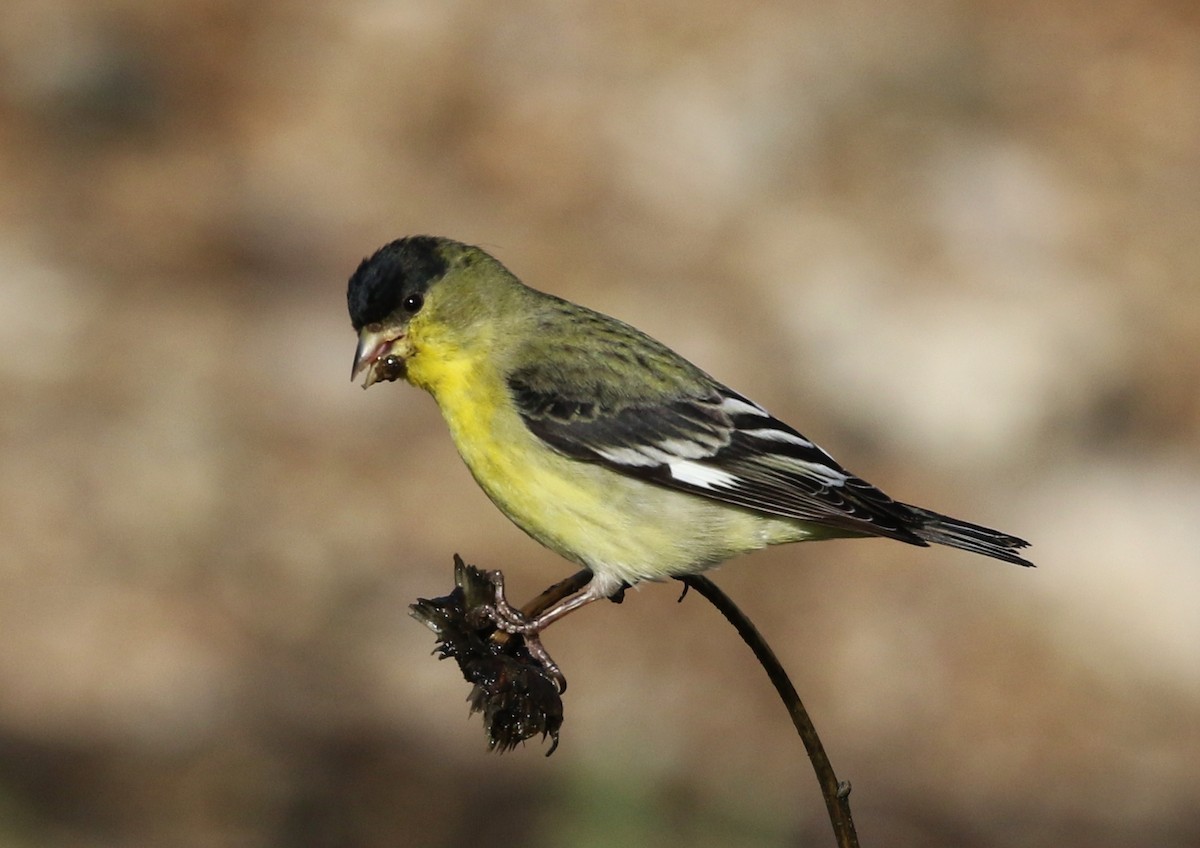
{"type": "Point", "coordinates": [621, 527]}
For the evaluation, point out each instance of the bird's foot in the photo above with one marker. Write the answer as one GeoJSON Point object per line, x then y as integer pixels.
{"type": "Point", "coordinates": [511, 620]}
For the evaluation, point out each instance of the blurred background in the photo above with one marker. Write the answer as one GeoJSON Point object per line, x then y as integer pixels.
{"type": "Point", "coordinates": [957, 243]}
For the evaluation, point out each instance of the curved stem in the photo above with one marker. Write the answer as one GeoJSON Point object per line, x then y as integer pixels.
{"type": "Point", "coordinates": [560, 590]}
{"type": "Point", "coordinates": [837, 795]}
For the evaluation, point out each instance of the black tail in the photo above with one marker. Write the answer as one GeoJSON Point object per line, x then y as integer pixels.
{"type": "Point", "coordinates": [944, 530]}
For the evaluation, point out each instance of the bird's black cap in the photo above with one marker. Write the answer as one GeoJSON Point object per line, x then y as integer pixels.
{"type": "Point", "coordinates": [403, 267]}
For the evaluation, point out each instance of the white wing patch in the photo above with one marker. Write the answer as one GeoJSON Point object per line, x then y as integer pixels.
{"type": "Point", "coordinates": [632, 456]}
{"type": "Point", "coordinates": [737, 406]}
{"type": "Point", "coordinates": [770, 434]}
{"type": "Point", "coordinates": [663, 452]}
{"type": "Point", "coordinates": [705, 476]}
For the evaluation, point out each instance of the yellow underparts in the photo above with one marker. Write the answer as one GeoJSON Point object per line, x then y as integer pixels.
{"type": "Point", "coordinates": [622, 528]}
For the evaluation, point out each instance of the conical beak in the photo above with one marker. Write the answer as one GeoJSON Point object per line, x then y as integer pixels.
{"type": "Point", "coordinates": [373, 348]}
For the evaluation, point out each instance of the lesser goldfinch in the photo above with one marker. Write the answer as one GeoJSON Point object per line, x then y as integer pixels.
{"type": "Point", "coordinates": [599, 441]}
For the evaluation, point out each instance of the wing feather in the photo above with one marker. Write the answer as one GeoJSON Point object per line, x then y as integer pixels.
{"type": "Point", "coordinates": [718, 445]}
{"type": "Point", "coordinates": [605, 405]}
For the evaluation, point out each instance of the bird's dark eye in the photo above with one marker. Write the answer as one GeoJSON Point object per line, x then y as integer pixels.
{"type": "Point", "coordinates": [413, 303]}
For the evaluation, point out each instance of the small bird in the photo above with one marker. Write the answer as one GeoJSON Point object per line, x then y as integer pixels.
{"type": "Point", "coordinates": [602, 443]}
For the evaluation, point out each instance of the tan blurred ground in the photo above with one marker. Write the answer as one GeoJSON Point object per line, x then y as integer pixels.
{"type": "Point", "coordinates": [956, 243]}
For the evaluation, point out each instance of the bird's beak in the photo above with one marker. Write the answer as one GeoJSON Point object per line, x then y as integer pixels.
{"type": "Point", "coordinates": [373, 355]}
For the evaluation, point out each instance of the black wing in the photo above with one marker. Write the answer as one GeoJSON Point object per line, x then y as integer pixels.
{"type": "Point", "coordinates": [719, 445]}
{"type": "Point", "coordinates": [607, 407]}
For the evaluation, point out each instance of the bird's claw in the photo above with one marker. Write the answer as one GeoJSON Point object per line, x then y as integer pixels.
{"type": "Point", "coordinates": [511, 620]}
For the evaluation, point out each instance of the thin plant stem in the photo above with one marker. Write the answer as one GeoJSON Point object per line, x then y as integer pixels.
{"type": "Point", "coordinates": [837, 795]}
{"type": "Point", "coordinates": [560, 590]}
